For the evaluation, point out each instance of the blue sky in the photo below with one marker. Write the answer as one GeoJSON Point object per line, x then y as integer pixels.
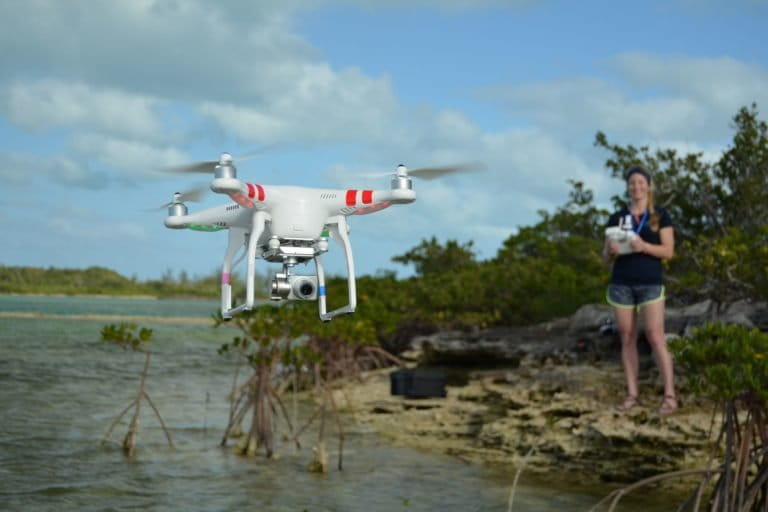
{"type": "Point", "coordinates": [96, 97]}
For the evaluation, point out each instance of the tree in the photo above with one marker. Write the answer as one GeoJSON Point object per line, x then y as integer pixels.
{"type": "Point", "coordinates": [568, 235]}
{"type": "Point", "coordinates": [285, 345]}
{"type": "Point", "coordinates": [553, 267]}
{"type": "Point", "coordinates": [429, 257]}
{"type": "Point", "coordinates": [264, 343]}
{"type": "Point", "coordinates": [125, 336]}
{"type": "Point", "coordinates": [728, 364]}
{"type": "Point", "coordinates": [742, 174]}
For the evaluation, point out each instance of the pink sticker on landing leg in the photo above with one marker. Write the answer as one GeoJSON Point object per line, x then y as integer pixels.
{"type": "Point", "coordinates": [225, 278]}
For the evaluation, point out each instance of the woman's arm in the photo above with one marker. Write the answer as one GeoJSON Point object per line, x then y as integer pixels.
{"type": "Point", "coordinates": [610, 249]}
{"type": "Point", "coordinates": [665, 250]}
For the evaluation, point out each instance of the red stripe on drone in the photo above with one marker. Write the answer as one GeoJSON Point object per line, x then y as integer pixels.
{"type": "Point", "coordinates": [351, 197]}
{"type": "Point", "coordinates": [255, 191]}
{"type": "Point", "coordinates": [367, 196]}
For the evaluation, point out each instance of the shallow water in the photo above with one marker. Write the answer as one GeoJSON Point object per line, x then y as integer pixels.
{"type": "Point", "coordinates": [61, 388]}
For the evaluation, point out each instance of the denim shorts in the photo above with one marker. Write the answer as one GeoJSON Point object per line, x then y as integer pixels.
{"type": "Point", "coordinates": [635, 296]}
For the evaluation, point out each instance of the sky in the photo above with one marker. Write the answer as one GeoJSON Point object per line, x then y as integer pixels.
{"type": "Point", "coordinates": [98, 98]}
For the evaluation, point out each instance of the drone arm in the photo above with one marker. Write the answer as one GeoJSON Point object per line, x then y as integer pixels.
{"type": "Point", "coordinates": [338, 229]}
{"type": "Point", "coordinates": [363, 202]}
{"type": "Point", "coordinates": [246, 195]}
{"type": "Point", "coordinates": [395, 196]}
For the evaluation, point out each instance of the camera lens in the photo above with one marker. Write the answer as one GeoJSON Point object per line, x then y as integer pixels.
{"type": "Point", "coordinates": [306, 289]}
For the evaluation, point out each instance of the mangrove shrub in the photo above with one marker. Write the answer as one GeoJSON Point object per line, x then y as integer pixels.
{"type": "Point", "coordinates": [728, 364]}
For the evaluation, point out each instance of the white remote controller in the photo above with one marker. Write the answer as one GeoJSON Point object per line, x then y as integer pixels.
{"type": "Point", "coordinates": [622, 237]}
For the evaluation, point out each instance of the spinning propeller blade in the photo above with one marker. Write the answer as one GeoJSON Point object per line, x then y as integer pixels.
{"type": "Point", "coordinates": [207, 166]}
{"type": "Point", "coordinates": [430, 173]}
{"type": "Point", "coordinates": [193, 195]}
{"type": "Point", "coordinates": [204, 167]}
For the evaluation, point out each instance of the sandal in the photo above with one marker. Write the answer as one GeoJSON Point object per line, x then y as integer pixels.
{"type": "Point", "coordinates": [629, 402]}
{"type": "Point", "coordinates": [668, 405]}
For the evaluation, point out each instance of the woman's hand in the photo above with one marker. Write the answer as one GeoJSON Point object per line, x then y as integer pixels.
{"type": "Point", "coordinates": [665, 250]}
{"type": "Point", "coordinates": [638, 244]}
{"type": "Point", "coordinates": [610, 249]}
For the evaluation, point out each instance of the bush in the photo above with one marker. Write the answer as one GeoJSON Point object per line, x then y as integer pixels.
{"type": "Point", "coordinates": [725, 362]}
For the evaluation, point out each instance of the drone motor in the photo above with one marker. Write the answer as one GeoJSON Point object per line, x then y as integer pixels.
{"type": "Point", "coordinates": [225, 168]}
{"type": "Point", "coordinates": [401, 180]}
{"type": "Point", "coordinates": [177, 209]}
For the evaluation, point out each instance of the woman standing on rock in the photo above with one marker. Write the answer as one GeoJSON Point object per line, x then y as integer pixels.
{"type": "Point", "coordinates": [636, 286]}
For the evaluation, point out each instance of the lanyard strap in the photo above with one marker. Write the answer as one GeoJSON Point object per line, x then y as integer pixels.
{"type": "Point", "coordinates": [642, 222]}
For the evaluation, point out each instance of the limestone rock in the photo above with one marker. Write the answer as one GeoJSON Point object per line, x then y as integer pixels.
{"type": "Point", "coordinates": [589, 334]}
{"type": "Point", "coordinates": [563, 414]}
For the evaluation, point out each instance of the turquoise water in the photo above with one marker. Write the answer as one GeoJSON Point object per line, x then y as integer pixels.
{"type": "Point", "coordinates": [108, 306]}
{"type": "Point", "coordinates": [61, 388]}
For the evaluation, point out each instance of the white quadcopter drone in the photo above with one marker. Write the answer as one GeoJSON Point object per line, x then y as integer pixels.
{"type": "Point", "coordinates": [287, 225]}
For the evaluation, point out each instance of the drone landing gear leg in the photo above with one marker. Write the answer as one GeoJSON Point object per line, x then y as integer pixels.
{"type": "Point", "coordinates": [236, 240]}
{"type": "Point", "coordinates": [236, 237]}
{"type": "Point", "coordinates": [321, 288]}
{"type": "Point", "coordinates": [338, 228]}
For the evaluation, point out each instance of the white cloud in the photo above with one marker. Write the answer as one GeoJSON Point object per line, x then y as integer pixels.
{"type": "Point", "coordinates": [722, 84]}
{"type": "Point", "coordinates": [25, 169]}
{"type": "Point", "coordinates": [646, 98]}
{"type": "Point", "coordinates": [187, 50]}
{"type": "Point", "coordinates": [315, 104]}
{"type": "Point", "coordinates": [134, 159]}
{"type": "Point", "coordinates": [50, 103]}
{"type": "Point", "coordinates": [578, 108]}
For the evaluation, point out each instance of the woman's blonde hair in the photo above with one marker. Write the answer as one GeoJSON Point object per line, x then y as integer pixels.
{"type": "Point", "coordinates": [654, 218]}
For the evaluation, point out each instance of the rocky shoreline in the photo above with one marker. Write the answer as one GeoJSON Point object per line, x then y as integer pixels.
{"type": "Point", "coordinates": [544, 397]}
{"type": "Point", "coordinates": [553, 418]}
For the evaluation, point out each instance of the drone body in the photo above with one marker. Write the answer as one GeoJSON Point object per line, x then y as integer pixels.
{"type": "Point", "coordinates": [287, 225]}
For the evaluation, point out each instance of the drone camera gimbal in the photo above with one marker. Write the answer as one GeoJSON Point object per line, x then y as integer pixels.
{"type": "Point", "coordinates": [293, 287]}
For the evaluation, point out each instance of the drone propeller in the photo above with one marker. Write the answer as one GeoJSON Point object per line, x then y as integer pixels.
{"type": "Point", "coordinates": [207, 166]}
{"type": "Point", "coordinates": [431, 173]}
{"type": "Point", "coordinates": [203, 167]}
{"type": "Point", "coordinates": [193, 195]}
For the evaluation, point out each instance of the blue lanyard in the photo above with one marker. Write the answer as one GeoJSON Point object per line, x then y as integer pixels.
{"type": "Point", "coordinates": [642, 222]}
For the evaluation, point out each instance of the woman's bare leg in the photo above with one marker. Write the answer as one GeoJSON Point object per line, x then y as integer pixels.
{"type": "Point", "coordinates": [626, 323]}
{"type": "Point", "coordinates": [653, 318]}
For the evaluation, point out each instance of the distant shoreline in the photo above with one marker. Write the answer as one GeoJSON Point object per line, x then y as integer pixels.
{"type": "Point", "coordinates": [182, 320]}
{"type": "Point", "coordinates": [105, 296]}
